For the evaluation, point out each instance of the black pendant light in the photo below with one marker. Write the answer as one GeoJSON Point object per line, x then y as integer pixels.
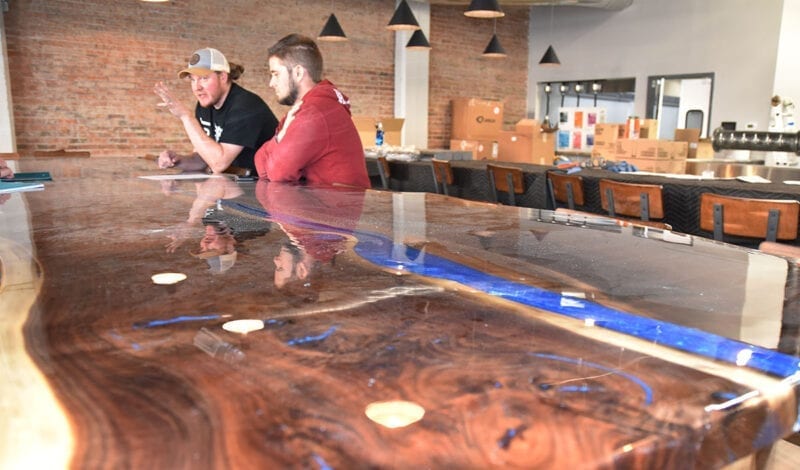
{"type": "Point", "coordinates": [484, 9]}
{"type": "Point", "coordinates": [494, 50]}
{"type": "Point", "coordinates": [332, 31]}
{"type": "Point", "coordinates": [550, 57]}
{"type": "Point", "coordinates": [418, 41]}
{"type": "Point", "coordinates": [403, 18]}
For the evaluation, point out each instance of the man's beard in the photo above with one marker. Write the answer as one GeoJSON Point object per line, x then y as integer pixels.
{"type": "Point", "coordinates": [291, 98]}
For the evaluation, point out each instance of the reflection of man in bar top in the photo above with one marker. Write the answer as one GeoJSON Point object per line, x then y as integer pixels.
{"type": "Point", "coordinates": [319, 223]}
{"type": "Point", "coordinates": [229, 123]}
{"type": "Point", "coordinates": [5, 171]}
{"type": "Point", "coordinates": [316, 142]}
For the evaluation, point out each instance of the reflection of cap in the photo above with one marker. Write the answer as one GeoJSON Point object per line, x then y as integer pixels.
{"type": "Point", "coordinates": [205, 61]}
{"type": "Point", "coordinates": [218, 262]}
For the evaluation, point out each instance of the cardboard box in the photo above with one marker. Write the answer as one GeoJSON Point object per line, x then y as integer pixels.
{"type": "Point", "coordinates": [625, 149]}
{"type": "Point", "coordinates": [675, 150]}
{"type": "Point", "coordinates": [481, 149]}
{"type": "Point", "coordinates": [366, 127]}
{"type": "Point", "coordinates": [705, 150]}
{"type": "Point", "coordinates": [519, 147]}
{"type": "Point", "coordinates": [476, 119]}
{"type": "Point", "coordinates": [647, 148]}
{"type": "Point", "coordinates": [648, 129]}
{"type": "Point", "coordinates": [659, 166]}
{"type": "Point", "coordinates": [692, 136]}
{"type": "Point", "coordinates": [543, 148]}
{"type": "Point", "coordinates": [530, 127]}
{"type": "Point", "coordinates": [655, 149]}
{"type": "Point", "coordinates": [608, 133]}
{"type": "Point", "coordinates": [605, 150]}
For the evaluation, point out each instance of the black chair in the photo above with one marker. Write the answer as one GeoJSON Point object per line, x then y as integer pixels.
{"type": "Point", "coordinates": [641, 203]}
{"type": "Point", "coordinates": [505, 179]}
{"type": "Point", "coordinates": [442, 176]}
{"type": "Point", "coordinates": [384, 172]}
{"type": "Point", "coordinates": [565, 188]}
{"type": "Point", "coordinates": [765, 219]}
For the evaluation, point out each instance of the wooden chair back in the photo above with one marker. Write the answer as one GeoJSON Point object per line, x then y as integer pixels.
{"type": "Point", "coordinates": [565, 188]}
{"type": "Point", "coordinates": [442, 175]}
{"type": "Point", "coordinates": [768, 219]}
{"type": "Point", "coordinates": [643, 201]}
{"type": "Point", "coordinates": [506, 179]}
{"type": "Point", "coordinates": [384, 172]}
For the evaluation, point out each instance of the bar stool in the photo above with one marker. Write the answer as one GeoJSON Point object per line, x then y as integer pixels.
{"type": "Point", "coordinates": [505, 179]}
{"type": "Point", "coordinates": [767, 219]}
{"type": "Point", "coordinates": [442, 176]}
{"type": "Point", "coordinates": [643, 202]}
{"type": "Point", "coordinates": [384, 172]}
{"type": "Point", "coordinates": [565, 188]}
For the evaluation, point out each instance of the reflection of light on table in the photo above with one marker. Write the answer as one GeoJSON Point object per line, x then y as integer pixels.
{"type": "Point", "coordinates": [243, 326]}
{"type": "Point", "coordinates": [167, 279]}
{"type": "Point", "coordinates": [394, 414]}
{"type": "Point", "coordinates": [743, 357]}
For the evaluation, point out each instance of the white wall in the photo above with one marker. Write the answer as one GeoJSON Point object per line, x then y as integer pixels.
{"type": "Point", "coordinates": [787, 71]}
{"type": "Point", "coordinates": [735, 39]}
{"type": "Point", "coordinates": [8, 142]}
{"type": "Point", "coordinates": [411, 76]}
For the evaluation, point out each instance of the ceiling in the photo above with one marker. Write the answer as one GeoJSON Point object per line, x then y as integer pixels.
{"type": "Point", "coordinates": [604, 4]}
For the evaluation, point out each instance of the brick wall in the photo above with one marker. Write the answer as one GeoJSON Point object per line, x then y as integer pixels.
{"type": "Point", "coordinates": [457, 68]}
{"type": "Point", "coordinates": [82, 71]}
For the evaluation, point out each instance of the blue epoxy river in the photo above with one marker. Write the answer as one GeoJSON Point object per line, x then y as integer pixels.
{"type": "Point", "coordinates": [378, 250]}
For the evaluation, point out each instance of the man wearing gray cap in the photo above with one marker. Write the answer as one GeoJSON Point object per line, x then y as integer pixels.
{"type": "Point", "coordinates": [229, 122]}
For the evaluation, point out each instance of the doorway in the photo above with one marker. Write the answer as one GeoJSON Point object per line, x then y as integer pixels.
{"type": "Point", "coordinates": [680, 102]}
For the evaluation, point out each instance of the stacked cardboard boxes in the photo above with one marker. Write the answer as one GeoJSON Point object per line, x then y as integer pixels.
{"type": "Point", "coordinates": [605, 140]}
{"type": "Point", "coordinates": [476, 126]}
{"type": "Point", "coordinates": [527, 144]}
{"type": "Point", "coordinates": [647, 154]}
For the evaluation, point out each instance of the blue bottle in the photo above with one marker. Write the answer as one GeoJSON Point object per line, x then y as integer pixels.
{"type": "Point", "coordinates": [379, 134]}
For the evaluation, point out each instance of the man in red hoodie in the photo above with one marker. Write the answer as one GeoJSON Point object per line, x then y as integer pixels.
{"type": "Point", "coordinates": [316, 142]}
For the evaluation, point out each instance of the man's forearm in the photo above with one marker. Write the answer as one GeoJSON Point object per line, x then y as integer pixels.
{"type": "Point", "coordinates": [204, 146]}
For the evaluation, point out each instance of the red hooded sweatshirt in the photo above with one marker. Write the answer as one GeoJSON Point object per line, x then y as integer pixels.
{"type": "Point", "coordinates": [320, 144]}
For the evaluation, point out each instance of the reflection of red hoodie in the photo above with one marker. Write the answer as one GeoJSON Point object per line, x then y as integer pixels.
{"type": "Point", "coordinates": [320, 145]}
{"type": "Point", "coordinates": [336, 210]}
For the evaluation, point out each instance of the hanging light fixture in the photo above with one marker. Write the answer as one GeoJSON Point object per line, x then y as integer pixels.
{"type": "Point", "coordinates": [418, 41]}
{"type": "Point", "coordinates": [550, 58]}
{"type": "Point", "coordinates": [403, 18]}
{"type": "Point", "coordinates": [596, 87]}
{"type": "Point", "coordinates": [484, 9]}
{"type": "Point", "coordinates": [332, 31]}
{"type": "Point", "coordinates": [494, 50]}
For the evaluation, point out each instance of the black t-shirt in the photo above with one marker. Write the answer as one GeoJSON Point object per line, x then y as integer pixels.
{"type": "Point", "coordinates": [244, 119]}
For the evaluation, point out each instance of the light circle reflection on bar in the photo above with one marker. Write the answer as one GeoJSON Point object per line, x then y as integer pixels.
{"type": "Point", "coordinates": [243, 326]}
{"type": "Point", "coordinates": [394, 414]}
{"type": "Point", "coordinates": [167, 279]}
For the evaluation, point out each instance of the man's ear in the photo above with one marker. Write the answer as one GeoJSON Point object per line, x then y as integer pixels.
{"type": "Point", "coordinates": [301, 270]}
{"type": "Point", "coordinates": [299, 72]}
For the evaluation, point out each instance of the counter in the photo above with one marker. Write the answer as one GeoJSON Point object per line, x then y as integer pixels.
{"type": "Point", "coordinates": [338, 328]}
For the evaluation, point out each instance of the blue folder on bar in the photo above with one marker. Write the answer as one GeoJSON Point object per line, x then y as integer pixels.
{"type": "Point", "coordinates": [33, 176]}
